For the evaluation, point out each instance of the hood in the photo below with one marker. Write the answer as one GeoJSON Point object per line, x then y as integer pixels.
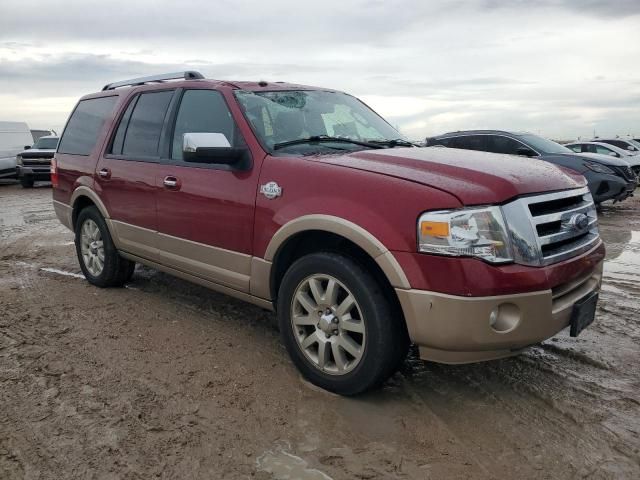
{"type": "Point", "coordinates": [38, 153]}
{"type": "Point", "coordinates": [598, 158]}
{"type": "Point", "coordinates": [475, 178]}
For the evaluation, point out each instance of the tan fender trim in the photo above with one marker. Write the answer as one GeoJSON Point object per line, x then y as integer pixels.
{"type": "Point", "coordinates": [83, 191]}
{"type": "Point", "coordinates": [349, 230]}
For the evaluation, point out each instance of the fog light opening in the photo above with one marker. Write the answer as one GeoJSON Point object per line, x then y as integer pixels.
{"type": "Point", "coordinates": [504, 318]}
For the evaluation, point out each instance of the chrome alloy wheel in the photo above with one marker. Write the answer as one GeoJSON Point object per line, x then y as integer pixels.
{"type": "Point", "coordinates": [92, 247]}
{"type": "Point", "coordinates": [328, 324]}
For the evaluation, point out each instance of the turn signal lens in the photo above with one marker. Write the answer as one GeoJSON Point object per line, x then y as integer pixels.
{"type": "Point", "coordinates": [434, 229]}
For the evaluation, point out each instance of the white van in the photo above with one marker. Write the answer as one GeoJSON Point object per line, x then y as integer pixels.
{"type": "Point", "coordinates": [14, 138]}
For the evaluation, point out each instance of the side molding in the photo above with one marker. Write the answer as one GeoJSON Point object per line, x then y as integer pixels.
{"type": "Point", "coordinates": [349, 230]}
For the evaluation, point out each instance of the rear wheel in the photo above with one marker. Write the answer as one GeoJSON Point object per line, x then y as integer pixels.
{"type": "Point", "coordinates": [99, 260]}
{"type": "Point", "coordinates": [337, 324]}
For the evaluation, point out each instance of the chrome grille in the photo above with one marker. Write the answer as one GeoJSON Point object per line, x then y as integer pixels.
{"type": "Point", "coordinates": [36, 161]}
{"type": "Point", "coordinates": [552, 227]}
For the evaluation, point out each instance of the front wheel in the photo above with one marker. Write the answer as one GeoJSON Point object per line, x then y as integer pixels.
{"type": "Point", "coordinates": [26, 182]}
{"type": "Point", "coordinates": [99, 260]}
{"type": "Point", "coordinates": [339, 327]}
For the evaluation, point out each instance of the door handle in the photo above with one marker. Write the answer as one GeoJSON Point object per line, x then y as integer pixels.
{"type": "Point", "coordinates": [105, 173]}
{"type": "Point", "coordinates": [171, 183]}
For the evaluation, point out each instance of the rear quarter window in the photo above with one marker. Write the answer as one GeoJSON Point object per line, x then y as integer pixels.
{"type": "Point", "coordinates": [84, 126]}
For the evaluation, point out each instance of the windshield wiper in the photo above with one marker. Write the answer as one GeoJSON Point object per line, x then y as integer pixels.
{"type": "Point", "coordinates": [325, 138]}
{"type": "Point", "coordinates": [396, 142]}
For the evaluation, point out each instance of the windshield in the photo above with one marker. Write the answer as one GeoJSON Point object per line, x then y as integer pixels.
{"type": "Point", "coordinates": [635, 143]}
{"type": "Point", "coordinates": [285, 116]}
{"type": "Point", "coordinates": [543, 145]}
{"type": "Point", "coordinates": [50, 143]}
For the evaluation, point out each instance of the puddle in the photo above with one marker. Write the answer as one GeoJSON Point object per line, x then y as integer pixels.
{"type": "Point", "coordinates": [283, 465]}
{"type": "Point", "coordinates": [624, 267]}
{"type": "Point", "coordinates": [62, 272]}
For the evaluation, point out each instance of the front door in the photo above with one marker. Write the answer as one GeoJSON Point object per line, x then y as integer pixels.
{"type": "Point", "coordinates": [206, 211]}
{"type": "Point", "coordinates": [126, 175]}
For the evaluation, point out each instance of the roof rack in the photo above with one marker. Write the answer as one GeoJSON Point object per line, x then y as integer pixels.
{"type": "Point", "coordinates": [188, 75]}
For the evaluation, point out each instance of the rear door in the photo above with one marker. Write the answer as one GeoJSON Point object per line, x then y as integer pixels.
{"type": "Point", "coordinates": [127, 173]}
{"type": "Point", "coordinates": [206, 211]}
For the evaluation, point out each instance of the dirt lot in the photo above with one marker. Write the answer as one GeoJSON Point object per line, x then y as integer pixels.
{"type": "Point", "coordinates": [166, 379]}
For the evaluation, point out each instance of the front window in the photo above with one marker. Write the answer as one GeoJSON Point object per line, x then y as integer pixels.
{"type": "Point", "coordinates": [46, 143]}
{"type": "Point", "coordinates": [543, 145]}
{"type": "Point", "coordinates": [279, 117]}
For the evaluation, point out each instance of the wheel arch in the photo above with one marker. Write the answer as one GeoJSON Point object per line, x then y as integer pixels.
{"type": "Point", "coordinates": [314, 233]}
{"type": "Point", "coordinates": [83, 197]}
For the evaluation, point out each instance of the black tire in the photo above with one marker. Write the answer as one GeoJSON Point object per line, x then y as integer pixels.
{"type": "Point", "coordinates": [387, 341]}
{"type": "Point", "coordinates": [116, 270]}
{"type": "Point", "coordinates": [26, 182]}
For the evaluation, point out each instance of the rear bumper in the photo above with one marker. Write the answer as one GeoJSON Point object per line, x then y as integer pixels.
{"type": "Point", "coordinates": [40, 172]}
{"type": "Point", "coordinates": [456, 329]}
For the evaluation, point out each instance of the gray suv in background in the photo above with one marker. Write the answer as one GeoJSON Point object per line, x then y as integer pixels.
{"type": "Point", "coordinates": [609, 178]}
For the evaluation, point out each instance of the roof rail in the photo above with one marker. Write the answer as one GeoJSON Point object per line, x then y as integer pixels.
{"type": "Point", "coordinates": [188, 75]}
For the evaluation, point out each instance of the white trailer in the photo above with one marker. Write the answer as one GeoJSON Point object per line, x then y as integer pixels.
{"type": "Point", "coordinates": [14, 137]}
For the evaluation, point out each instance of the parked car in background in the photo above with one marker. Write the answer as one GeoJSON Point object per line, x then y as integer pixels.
{"type": "Point", "coordinates": [607, 149]}
{"type": "Point", "coordinates": [305, 201]}
{"type": "Point", "coordinates": [14, 137]}
{"type": "Point", "coordinates": [608, 178]}
{"type": "Point", "coordinates": [34, 164]}
{"type": "Point", "coordinates": [629, 144]}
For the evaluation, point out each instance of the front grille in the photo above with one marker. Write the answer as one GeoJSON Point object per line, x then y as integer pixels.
{"type": "Point", "coordinates": [625, 172]}
{"type": "Point", "coordinates": [552, 227]}
{"type": "Point", "coordinates": [36, 162]}
{"type": "Point", "coordinates": [636, 171]}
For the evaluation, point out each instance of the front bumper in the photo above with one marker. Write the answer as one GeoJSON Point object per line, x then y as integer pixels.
{"type": "Point", "coordinates": [456, 329]}
{"type": "Point", "coordinates": [605, 187]}
{"type": "Point", "coordinates": [39, 172]}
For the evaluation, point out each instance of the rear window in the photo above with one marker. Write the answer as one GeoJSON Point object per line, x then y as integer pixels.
{"type": "Point", "coordinates": [83, 128]}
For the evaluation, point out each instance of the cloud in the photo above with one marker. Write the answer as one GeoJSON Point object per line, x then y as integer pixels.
{"type": "Point", "coordinates": [555, 66]}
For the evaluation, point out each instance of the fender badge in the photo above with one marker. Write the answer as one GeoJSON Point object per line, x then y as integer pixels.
{"type": "Point", "coordinates": [271, 190]}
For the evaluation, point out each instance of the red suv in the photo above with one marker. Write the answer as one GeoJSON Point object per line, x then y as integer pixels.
{"type": "Point", "coordinates": [304, 201]}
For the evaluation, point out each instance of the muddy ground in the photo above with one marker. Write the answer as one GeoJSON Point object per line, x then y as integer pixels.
{"type": "Point", "coordinates": [164, 379]}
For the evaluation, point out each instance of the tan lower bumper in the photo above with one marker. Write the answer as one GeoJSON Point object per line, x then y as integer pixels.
{"type": "Point", "coordinates": [63, 212]}
{"type": "Point", "coordinates": [454, 329]}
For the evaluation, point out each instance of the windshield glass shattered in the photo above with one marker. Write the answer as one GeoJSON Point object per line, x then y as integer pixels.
{"type": "Point", "coordinates": [293, 119]}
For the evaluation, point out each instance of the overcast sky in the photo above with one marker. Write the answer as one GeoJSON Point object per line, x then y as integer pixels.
{"type": "Point", "coordinates": [561, 68]}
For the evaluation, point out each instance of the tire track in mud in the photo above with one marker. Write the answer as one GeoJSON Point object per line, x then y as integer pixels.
{"type": "Point", "coordinates": [169, 379]}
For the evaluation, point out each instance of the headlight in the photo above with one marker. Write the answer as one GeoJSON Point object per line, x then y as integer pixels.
{"type": "Point", "coordinates": [473, 232]}
{"type": "Point", "coordinates": [18, 159]}
{"type": "Point", "coordinates": [596, 167]}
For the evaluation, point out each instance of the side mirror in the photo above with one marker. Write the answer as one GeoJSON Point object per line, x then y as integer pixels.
{"type": "Point", "coordinates": [631, 148]}
{"type": "Point", "coordinates": [27, 147]}
{"type": "Point", "coordinates": [526, 152]}
{"type": "Point", "coordinates": [614, 154]}
{"type": "Point", "coordinates": [211, 148]}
